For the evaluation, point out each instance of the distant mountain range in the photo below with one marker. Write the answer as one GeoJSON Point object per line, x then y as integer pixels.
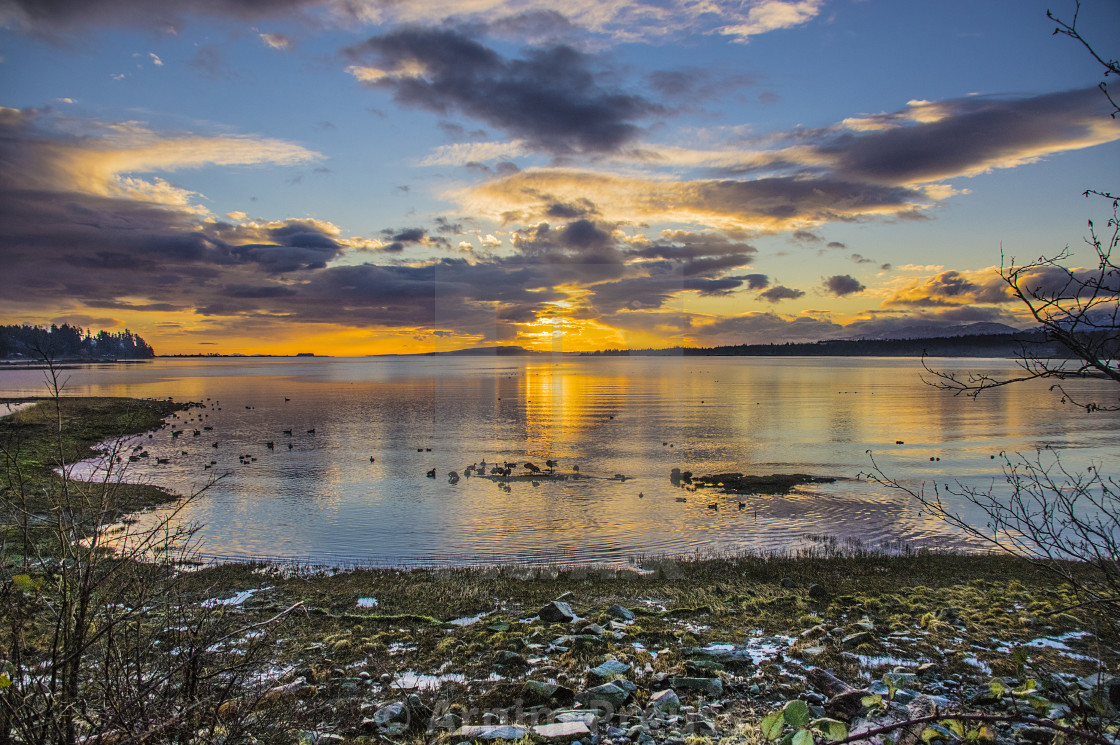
{"type": "Point", "coordinates": [933, 331]}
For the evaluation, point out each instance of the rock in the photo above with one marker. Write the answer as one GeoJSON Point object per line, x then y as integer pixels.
{"type": "Point", "coordinates": [788, 583]}
{"type": "Point", "coordinates": [709, 686]}
{"type": "Point", "coordinates": [537, 693]}
{"type": "Point", "coordinates": [589, 718]}
{"type": "Point", "coordinates": [610, 669]}
{"type": "Point", "coordinates": [818, 593]}
{"type": "Point", "coordinates": [491, 732]}
{"type": "Point", "coordinates": [854, 640]}
{"type": "Point", "coordinates": [617, 611]}
{"type": "Point", "coordinates": [703, 666]}
{"type": "Point", "coordinates": [701, 727]}
{"type": "Point", "coordinates": [578, 641]}
{"type": "Point", "coordinates": [506, 658]}
{"type": "Point", "coordinates": [449, 721]}
{"type": "Point", "coordinates": [394, 712]}
{"type": "Point", "coordinates": [666, 700]}
{"type": "Point", "coordinates": [558, 730]}
{"type": "Point", "coordinates": [608, 693]}
{"type": "Point", "coordinates": [1102, 692]}
{"type": "Point", "coordinates": [498, 626]}
{"type": "Point", "coordinates": [557, 612]}
{"type": "Point", "coordinates": [594, 629]}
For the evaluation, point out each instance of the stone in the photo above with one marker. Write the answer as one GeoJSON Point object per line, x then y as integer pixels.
{"type": "Point", "coordinates": [608, 693]}
{"type": "Point", "coordinates": [610, 669]}
{"type": "Point", "coordinates": [666, 700]}
{"type": "Point", "coordinates": [558, 730]}
{"type": "Point", "coordinates": [589, 718]}
{"type": "Point", "coordinates": [617, 611]}
{"type": "Point", "coordinates": [709, 686]}
{"type": "Point", "coordinates": [537, 693]}
{"type": "Point", "coordinates": [788, 583]}
{"type": "Point", "coordinates": [818, 593]}
{"type": "Point", "coordinates": [701, 727]}
{"type": "Point", "coordinates": [854, 640]}
{"type": "Point", "coordinates": [703, 666]}
{"type": "Point", "coordinates": [491, 732]}
{"type": "Point", "coordinates": [557, 612]}
{"type": "Point", "coordinates": [506, 658]}
{"type": "Point", "coordinates": [394, 712]}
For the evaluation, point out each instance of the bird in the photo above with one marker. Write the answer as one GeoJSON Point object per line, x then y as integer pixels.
{"type": "Point", "coordinates": [453, 477]}
{"type": "Point", "coordinates": [270, 445]}
{"type": "Point", "coordinates": [713, 505]}
{"type": "Point", "coordinates": [682, 499]}
{"type": "Point", "coordinates": [551, 465]}
{"type": "Point", "coordinates": [641, 495]}
{"type": "Point", "coordinates": [533, 467]}
{"type": "Point", "coordinates": [742, 505]}
{"type": "Point", "coordinates": [287, 431]}
{"type": "Point", "coordinates": [311, 431]}
{"type": "Point", "coordinates": [431, 474]}
{"type": "Point", "coordinates": [371, 459]}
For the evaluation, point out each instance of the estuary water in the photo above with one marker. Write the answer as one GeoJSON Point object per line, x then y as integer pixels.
{"type": "Point", "coordinates": [355, 490]}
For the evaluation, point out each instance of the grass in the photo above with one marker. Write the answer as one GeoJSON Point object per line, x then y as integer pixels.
{"type": "Point", "coordinates": [37, 441]}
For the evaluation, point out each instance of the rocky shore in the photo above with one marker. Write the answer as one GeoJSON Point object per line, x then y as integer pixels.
{"type": "Point", "coordinates": [686, 654]}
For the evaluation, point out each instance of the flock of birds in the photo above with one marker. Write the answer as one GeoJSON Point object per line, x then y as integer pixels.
{"type": "Point", "coordinates": [500, 472]}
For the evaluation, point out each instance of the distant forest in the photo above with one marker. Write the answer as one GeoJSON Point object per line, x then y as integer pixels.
{"type": "Point", "coordinates": [68, 342]}
{"type": "Point", "coordinates": [975, 345]}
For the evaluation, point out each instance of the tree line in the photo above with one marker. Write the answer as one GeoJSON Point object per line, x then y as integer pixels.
{"type": "Point", "coordinates": [68, 342]}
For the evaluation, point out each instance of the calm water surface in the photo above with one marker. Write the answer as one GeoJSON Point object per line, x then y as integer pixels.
{"type": "Point", "coordinates": [322, 499]}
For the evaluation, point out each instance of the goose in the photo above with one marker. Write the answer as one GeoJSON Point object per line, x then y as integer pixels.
{"type": "Point", "coordinates": [431, 474]}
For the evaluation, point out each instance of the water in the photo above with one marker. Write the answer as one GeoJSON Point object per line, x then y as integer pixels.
{"type": "Point", "coordinates": [322, 499]}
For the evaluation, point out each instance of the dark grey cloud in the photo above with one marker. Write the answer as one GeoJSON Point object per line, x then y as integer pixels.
{"type": "Point", "coordinates": [756, 281]}
{"type": "Point", "coordinates": [47, 16]}
{"type": "Point", "coordinates": [697, 84]}
{"type": "Point", "coordinates": [842, 285]}
{"type": "Point", "coordinates": [551, 96]}
{"type": "Point", "coordinates": [969, 135]}
{"type": "Point", "coordinates": [779, 293]}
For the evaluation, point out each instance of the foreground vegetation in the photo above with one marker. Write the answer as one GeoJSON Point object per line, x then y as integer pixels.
{"type": "Point", "coordinates": [101, 646]}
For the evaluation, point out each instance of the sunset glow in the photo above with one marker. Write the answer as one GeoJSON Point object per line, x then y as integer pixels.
{"type": "Point", "coordinates": [355, 178]}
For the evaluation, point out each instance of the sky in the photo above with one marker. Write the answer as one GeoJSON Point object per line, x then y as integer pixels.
{"type": "Point", "coordinates": [354, 177]}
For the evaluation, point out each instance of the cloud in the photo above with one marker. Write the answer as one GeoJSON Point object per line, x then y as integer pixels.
{"type": "Point", "coordinates": [103, 159]}
{"type": "Point", "coordinates": [532, 20]}
{"type": "Point", "coordinates": [842, 285]}
{"type": "Point", "coordinates": [466, 153]}
{"type": "Point", "coordinates": [779, 293]}
{"type": "Point", "coordinates": [965, 137]}
{"type": "Point", "coordinates": [80, 238]}
{"type": "Point", "coordinates": [764, 204]}
{"type": "Point", "coordinates": [772, 15]}
{"type": "Point", "coordinates": [550, 97]}
{"type": "Point", "coordinates": [277, 41]}
{"type": "Point", "coordinates": [952, 288]}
